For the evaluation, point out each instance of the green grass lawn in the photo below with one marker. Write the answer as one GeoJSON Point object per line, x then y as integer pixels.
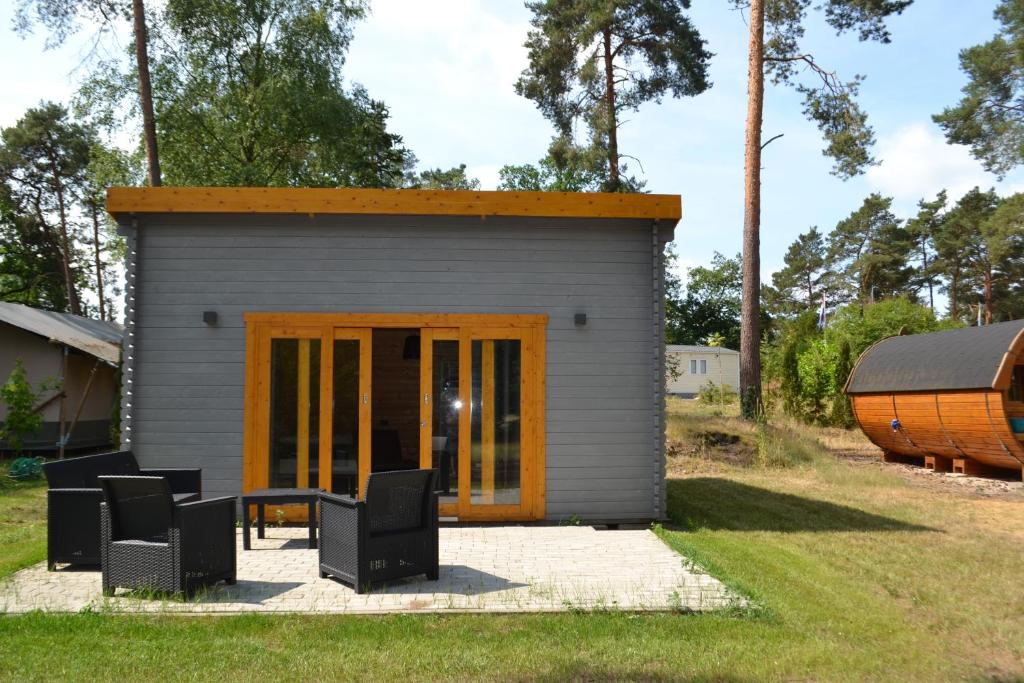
{"type": "Point", "coordinates": [857, 573]}
{"type": "Point", "coordinates": [22, 523]}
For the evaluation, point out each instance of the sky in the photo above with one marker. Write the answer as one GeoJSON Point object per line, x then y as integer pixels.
{"type": "Point", "coordinates": [446, 70]}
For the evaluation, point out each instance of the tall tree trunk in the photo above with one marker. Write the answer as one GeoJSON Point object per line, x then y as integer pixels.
{"type": "Point", "coordinates": [924, 267]}
{"type": "Point", "coordinates": [613, 125]}
{"type": "Point", "coordinates": [146, 92]}
{"type": "Point", "coordinates": [750, 311]}
{"type": "Point", "coordinates": [74, 306]}
{"type": "Point", "coordinates": [988, 295]}
{"type": "Point", "coordinates": [96, 256]}
{"type": "Point", "coordinates": [954, 284]}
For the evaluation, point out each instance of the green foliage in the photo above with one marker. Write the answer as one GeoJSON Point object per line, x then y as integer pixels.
{"type": "Point", "coordinates": [274, 110]}
{"type": "Point", "coordinates": [19, 398]}
{"type": "Point", "coordinates": [777, 448]}
{"type": "Point", "coordinates": [115, 411]}
{"type": "Point", "coordinates": [708, 308]}
{"type": "Point", "coordinates": [800, 283]}
{"type": "Point", "coordinates": [923, 230]}
{"type": "Point", "coordinates": [591, 60]}
{"type": "Point", "coordinates": [30, 259]}
{"type": "Point", "coordinates": [43, 162]}
{"type": "Point", "coordinates": [710, 304]}
{"type": "Point", "coordinates": [714, 394]}
{"type": "Point", "coordinates": [828, 101]}
{"type": "Point", "coordinates": [990, 115]}
{"type": "Point", "coordinates": [843, 124]}
{"type": "Point", "coordinates": [566, 168]}
{"type": "Point", "coordinates": [808, 368]}
{"type": "Point", "coordinates": [54, 172]}
{"type": "Point", "coordinates": [454, 178]}
{"type": "Point", "coordinates": [716, 339]}
{"type": "Point", "coordinates": [868, 253]}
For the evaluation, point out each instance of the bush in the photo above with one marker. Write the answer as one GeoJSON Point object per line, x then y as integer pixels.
{"type": "Point", "coordinates": [22, 419]}
{"type": "Point", "coordinates": [713, 394]}
{"type": "Point", "coordinates": [809, 368]}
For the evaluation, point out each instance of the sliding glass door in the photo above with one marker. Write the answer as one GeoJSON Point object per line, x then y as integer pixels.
{"type": "Point", "coordinates": [329, 403]}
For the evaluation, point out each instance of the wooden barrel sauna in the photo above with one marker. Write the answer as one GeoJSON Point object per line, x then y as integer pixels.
{"type": "Point", "coordinates": [952, 396]}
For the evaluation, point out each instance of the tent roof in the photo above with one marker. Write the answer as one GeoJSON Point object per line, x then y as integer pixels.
{"type": "Point", "coordinates": [967, 358]}
{"type": "Point", "coordinates": [97, 338]}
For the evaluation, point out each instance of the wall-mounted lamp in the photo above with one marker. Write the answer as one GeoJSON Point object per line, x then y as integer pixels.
{"type": "Point", "coordinates": [210, 317]}
{"type": "Point", "coordinates": [580, 319]}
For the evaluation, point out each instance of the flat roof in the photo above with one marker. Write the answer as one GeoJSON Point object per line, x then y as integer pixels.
{"type": "Point", "coordinates": [126, 201]}
{"type": "Point", "coordinates": [688, 348]}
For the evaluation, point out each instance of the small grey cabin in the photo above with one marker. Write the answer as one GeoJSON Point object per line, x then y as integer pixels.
{"type": "Point", "coordinates": [309, 337]}
{"type": "Point", "coordinates": [78, 358]}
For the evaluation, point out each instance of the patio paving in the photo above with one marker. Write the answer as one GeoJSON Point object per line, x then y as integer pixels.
{"type": "Point", "coordinates": [483, 569]}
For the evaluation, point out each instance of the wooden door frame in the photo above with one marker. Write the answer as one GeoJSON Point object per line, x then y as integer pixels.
{"type": "Point", "coordinates": [530, 328]}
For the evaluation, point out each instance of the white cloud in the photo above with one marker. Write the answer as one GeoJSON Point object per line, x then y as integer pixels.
{"type": "Point", "coordinates": [917, 163]}
{"type": "Point", "coordinates": [446, 69]}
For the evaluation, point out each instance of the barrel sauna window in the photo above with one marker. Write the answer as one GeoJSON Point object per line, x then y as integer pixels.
{"type": "Point", "coordinates": [1015, 402]}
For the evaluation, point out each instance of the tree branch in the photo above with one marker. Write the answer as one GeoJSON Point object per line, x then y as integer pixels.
{"type": "Point", "coordinates": [772, 139]}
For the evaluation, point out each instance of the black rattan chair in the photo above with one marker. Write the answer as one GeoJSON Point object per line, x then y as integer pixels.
{"type": "Point", "coordinates": [74, 497]}
{"type": "Point", "coordinates": [390, 534]}
{"type": "Point", "coordinates": [149, 541]}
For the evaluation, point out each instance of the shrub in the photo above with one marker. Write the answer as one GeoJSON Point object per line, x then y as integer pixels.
{"type": "Point", "coordinates": [22, 420]}
{"type": "Point", "coordinates": [713, 394]}
{"type": "Point", "coordinates": [809, 368]}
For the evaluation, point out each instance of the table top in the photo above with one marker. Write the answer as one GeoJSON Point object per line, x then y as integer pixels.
{"type": "Point", "coordinates": [300, 495]}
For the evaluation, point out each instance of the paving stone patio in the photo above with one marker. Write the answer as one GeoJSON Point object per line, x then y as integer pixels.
{"type": "Point", "coordinates": [483, 569]}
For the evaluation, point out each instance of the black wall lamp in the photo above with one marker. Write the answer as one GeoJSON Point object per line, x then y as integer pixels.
{"type": "Point", "coordinates": [580, 319]}
{"type": "Point", "coordinates": [210, 317]}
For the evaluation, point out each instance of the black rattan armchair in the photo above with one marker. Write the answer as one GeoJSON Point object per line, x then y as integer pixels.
{"type": "Point", "coordinates": [74, 497]}
{"type": "Point", "coordinates": [149, 541]}
{"type": "Point", "coordinates": [390, 534]}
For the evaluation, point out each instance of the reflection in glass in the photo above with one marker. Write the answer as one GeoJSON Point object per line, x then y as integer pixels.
{"type": "Point", "coordinates": [345, 441]}
{"type": "Point", "coordinates": [445, 418]}
{"type": "Point", "coordinates": [495, 446]}
{"type": "Point", "coordinates": [294, 412]}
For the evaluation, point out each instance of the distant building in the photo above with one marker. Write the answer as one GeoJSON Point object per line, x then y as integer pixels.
{"type": "Point", "coordinates": [79, 356]}
{"type": "Point", "coordinates": [698, 365]}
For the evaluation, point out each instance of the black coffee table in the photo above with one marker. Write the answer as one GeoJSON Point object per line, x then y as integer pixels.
{"type": "Point", "coordinates": [263, 497]}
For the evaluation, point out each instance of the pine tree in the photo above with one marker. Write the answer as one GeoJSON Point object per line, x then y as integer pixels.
{"type": "Point", "coordinates": [591, 60]}
{"type": "Point", "coordinates": [923, 229]}
{"type": "Point", "coordinates": [869, 251]}
{"type": "Point", "coordinates": [800, 282]}
{"type": "Point", "coordinates": [829, 102]}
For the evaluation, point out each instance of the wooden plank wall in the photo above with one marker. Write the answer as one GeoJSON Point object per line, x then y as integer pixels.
{"type": "Point", "coordinates": [603, 439]}
{"type": "Point", "coordinates": [956, 424]}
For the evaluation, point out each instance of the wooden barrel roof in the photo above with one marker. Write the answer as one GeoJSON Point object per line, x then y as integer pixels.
{"type": "Point", "coordinates": [966, 358]}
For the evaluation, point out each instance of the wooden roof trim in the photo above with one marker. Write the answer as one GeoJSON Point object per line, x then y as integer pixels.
{"type": "Point", "coordinates": [1004, 375]}
{"type": "Point", "coordinates": [262, 200]}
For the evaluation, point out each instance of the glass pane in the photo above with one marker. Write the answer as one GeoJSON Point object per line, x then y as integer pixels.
{"type": "Point", "coordinates": [294, 412]}
{"type": "Point", "coordinates": [395, 402]}
{"type": "Point", "coordinates": [495, 426]}
{"type": "Point", "coordinates": [345, 441]}
{"type": "Point", "coordinates": [445, 418]}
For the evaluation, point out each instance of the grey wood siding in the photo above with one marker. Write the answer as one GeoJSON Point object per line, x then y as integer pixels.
{"type": "Point", "coordinates": [604, 419]}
